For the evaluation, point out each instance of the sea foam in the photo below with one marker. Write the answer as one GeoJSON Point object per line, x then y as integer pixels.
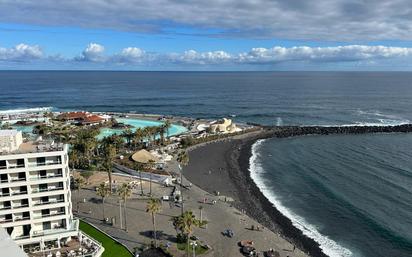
{"type": "Point", "coordinates": [27, 110]}
{"type": "Point", "coordinates": [328, 246]}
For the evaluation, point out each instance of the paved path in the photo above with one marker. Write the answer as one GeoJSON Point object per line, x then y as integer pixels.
{"type": "Point", "coordinates": [220, 216]}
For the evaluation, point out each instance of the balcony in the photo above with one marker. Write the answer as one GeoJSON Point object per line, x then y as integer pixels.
{"type": "Point", "coordinates": [39, 164]}
{"type": "Point", "coordinates": [6, 221]}
{"type": "Point", "coordinates": [4, 181]}
{"type": "Point", "coordinates": [15, 166]}
{"type": "Point", "coordinates": [20, 206]}
{"type": "Point", "coordinates": [46, 177]}
{"type": "Point", "coordinates": [49, 202]}
{"type": "Point", "coordinates": [19, 193]}
{"type": "Point", "coordinates": [17, 179]}
{"type": "Point", "coordinates": [5, 208]}
{"type": "Point", "coordinates": [38, 190]}
{"type": "Point", "coordinates": [21, 218]}
{"type": "Point", "coordinates": [48, 215]}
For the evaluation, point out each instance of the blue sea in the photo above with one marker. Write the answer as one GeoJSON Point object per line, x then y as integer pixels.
{"type": "Point", "coordinates": [351, 193]}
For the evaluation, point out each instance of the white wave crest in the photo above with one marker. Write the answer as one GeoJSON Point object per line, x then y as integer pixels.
{"type": "Point", "coordinates": [328, 246]}
{"type": "Point", "coordinates": [27, 110]}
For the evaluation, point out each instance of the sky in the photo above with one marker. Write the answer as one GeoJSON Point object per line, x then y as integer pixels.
{"type": "Point", "coordinates": [206, 35]}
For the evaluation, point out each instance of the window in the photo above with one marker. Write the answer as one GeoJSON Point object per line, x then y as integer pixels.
{"type": "Point", "coordinates": [42, 187]}
{"type": "Point", "coordinates": [46, 225]}
{"type": "Point", "coordinates": [3, 164]}
{"type": "Point", "coordinates": [41, 161]}
{"type": "Point", "coordinates": [20, 162]}
{"type": "Point", "coordinates": [43, 174]}
{"type": "Point", "coordinates": [3, 178]}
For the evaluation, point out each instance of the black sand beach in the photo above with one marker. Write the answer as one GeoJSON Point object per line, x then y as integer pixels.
{"type": "Point", "coordinates": [224, 167]}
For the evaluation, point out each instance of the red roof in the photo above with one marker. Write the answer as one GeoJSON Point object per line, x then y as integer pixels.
{"type": "Point", "coordinates": [73, 115]}
{"type": "Point", "coordinates": [92, 119]}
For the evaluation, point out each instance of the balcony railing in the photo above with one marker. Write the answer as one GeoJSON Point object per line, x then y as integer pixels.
{"type": "Point", "coordinates": [5, 208]}
{"type": "Point", "coordinates": [21, 206]}
{"type": "Point", "coordinates": [49, 202]}
{"type": "Point", "coordinates": [48, 215]}
{"type": "Point", "coordinates": [53, 214]}
{"type": "Point", "coordinates": [21, 218]}
{"type": "Point", "coordinates": [38, 190]}
{"type": "Point", "coordinates": [6, 221]}
{"type": "Point", "coordinates": [46, 177]}
{"type": "Point", "coordinates": [19, 193]}
{"type": "Point", "coordinates": [37, 164]}
{"type": "Point", "coordinates": [17, 179]}
{"type": "Point", "coordinates": [4, 181]}
{"type": "Point", "coordinates": [16, 166]}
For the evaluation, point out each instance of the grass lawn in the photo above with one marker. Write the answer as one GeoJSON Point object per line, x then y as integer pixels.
{"type": "Point", "coordinates": [198, 250]}
{"type": "Point", "coordinates": [111, 247]}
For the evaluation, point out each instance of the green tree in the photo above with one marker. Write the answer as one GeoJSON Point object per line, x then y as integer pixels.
{"type": "Point", "coordinates": [185, 223]}
{"type": "Point", "coordinates": [150, 166]}
{"type": "Point", "coordinates": [103, 191]}
{"type": "Point", "coordinates": [80, 182]}
{"type": "Point", "coordinates": [167, 125]}
{"type": "Point", "coordinates": [109, 155]}
{"type": "Point", "coordinates": [86, 175]}
{"type": "Point", "coordinates": [153, 207]}
{"type": "Point", "coordinates": [139, 167]}
{"type": "Point", "coordinates": [183, 160]}
{"type": "Point", "coordinates": [128, 135]}
{"type": "Point", "coordinates": [124, 192]}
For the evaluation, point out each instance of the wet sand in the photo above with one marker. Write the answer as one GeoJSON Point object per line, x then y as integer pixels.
{"type": "Point", "coordinates": [224, 167]}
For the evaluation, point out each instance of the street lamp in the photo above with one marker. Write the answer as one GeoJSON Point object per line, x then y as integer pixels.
{"type": "Point", "coordinates": [78, 206]}
{"type": "Point", "coordinates": [181, 191]}
{"type": "Point", "coordinates": [193, 244]}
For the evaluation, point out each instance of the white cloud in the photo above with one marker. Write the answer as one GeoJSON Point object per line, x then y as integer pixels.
{"type": "Point", "coordinates": [193, 57]}
{"type": "Point", "coordinates": [94, 56]}
{"type": "Point", "coordinates": [20, 52]}
{"type": "Point", "coordinates": [325, 54]}
{"type": "Point", "coordinates": [335, 20]}
{"type": "Point", "coordinates": [92, 53]}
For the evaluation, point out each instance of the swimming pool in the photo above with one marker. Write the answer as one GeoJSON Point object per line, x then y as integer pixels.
{"type": "Point", "coordinates": [137, 123]}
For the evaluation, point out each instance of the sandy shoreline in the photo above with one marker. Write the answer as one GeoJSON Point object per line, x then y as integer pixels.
{"type": "Point", "coordinates": [223, 166]}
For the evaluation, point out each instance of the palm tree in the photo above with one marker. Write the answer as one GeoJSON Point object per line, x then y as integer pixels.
{"type": "Point", "coordinates": [103, 191]}
{"type": "Point", "coordinates": [154, 206]}
{"type": "Point", "coordinates": [167, 125]}
{"type": "Point", "coordinates": [124, 192]}
{"type": "Point", "coordinates": [80, 182]}
{"type": "Point", "coordinates": [138, 137]}
{"type": "Point", "coordinates": [185, 223]}
{"type": "Point", "coordinates": [109, 154]}
{"type": "Point", "coordinates": [150, 166]}
{"type": "Point", "coordinates": [200, 212]}
{"type": "Point", "coordinates": [183, 160]}
{"type": "Point", "coordinates": [128, 135]}
{"type": "Point", "coordinates": [139, 167]}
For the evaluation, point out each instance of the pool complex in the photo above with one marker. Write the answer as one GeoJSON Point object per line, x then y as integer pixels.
{"type": "Point", "coordinates": [135, 123]}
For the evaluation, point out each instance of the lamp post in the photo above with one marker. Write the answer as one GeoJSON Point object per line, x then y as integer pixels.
{"type": "Point", "coordinates": [181, 191]}
{"type": "Point", "coordinates": [193, 244]}
{"type": "Point", "coordinates": [78, 204]}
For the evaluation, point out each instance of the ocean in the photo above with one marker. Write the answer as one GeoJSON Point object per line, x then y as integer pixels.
{"type": "Point", "coordinates": [351, 193]}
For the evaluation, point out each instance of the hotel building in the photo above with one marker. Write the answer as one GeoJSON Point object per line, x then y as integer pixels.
{"type": "Point", "coordinates": [35, 197]}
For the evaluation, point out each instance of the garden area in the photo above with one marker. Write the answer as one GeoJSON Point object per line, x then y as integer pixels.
{"type": "Point", "coordinates": [111, 247]}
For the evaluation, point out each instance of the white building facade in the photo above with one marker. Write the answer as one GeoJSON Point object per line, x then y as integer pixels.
{"type": "Point", "coordinates": [10, 140]}
{"type": "Point", "coordinates": [35, 198]}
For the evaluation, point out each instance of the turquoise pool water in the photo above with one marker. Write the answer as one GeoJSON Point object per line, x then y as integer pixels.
{"type": "Point", "coordinates": [24, 129]}
{"type": "Point", "coordinates": [136, 123]}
